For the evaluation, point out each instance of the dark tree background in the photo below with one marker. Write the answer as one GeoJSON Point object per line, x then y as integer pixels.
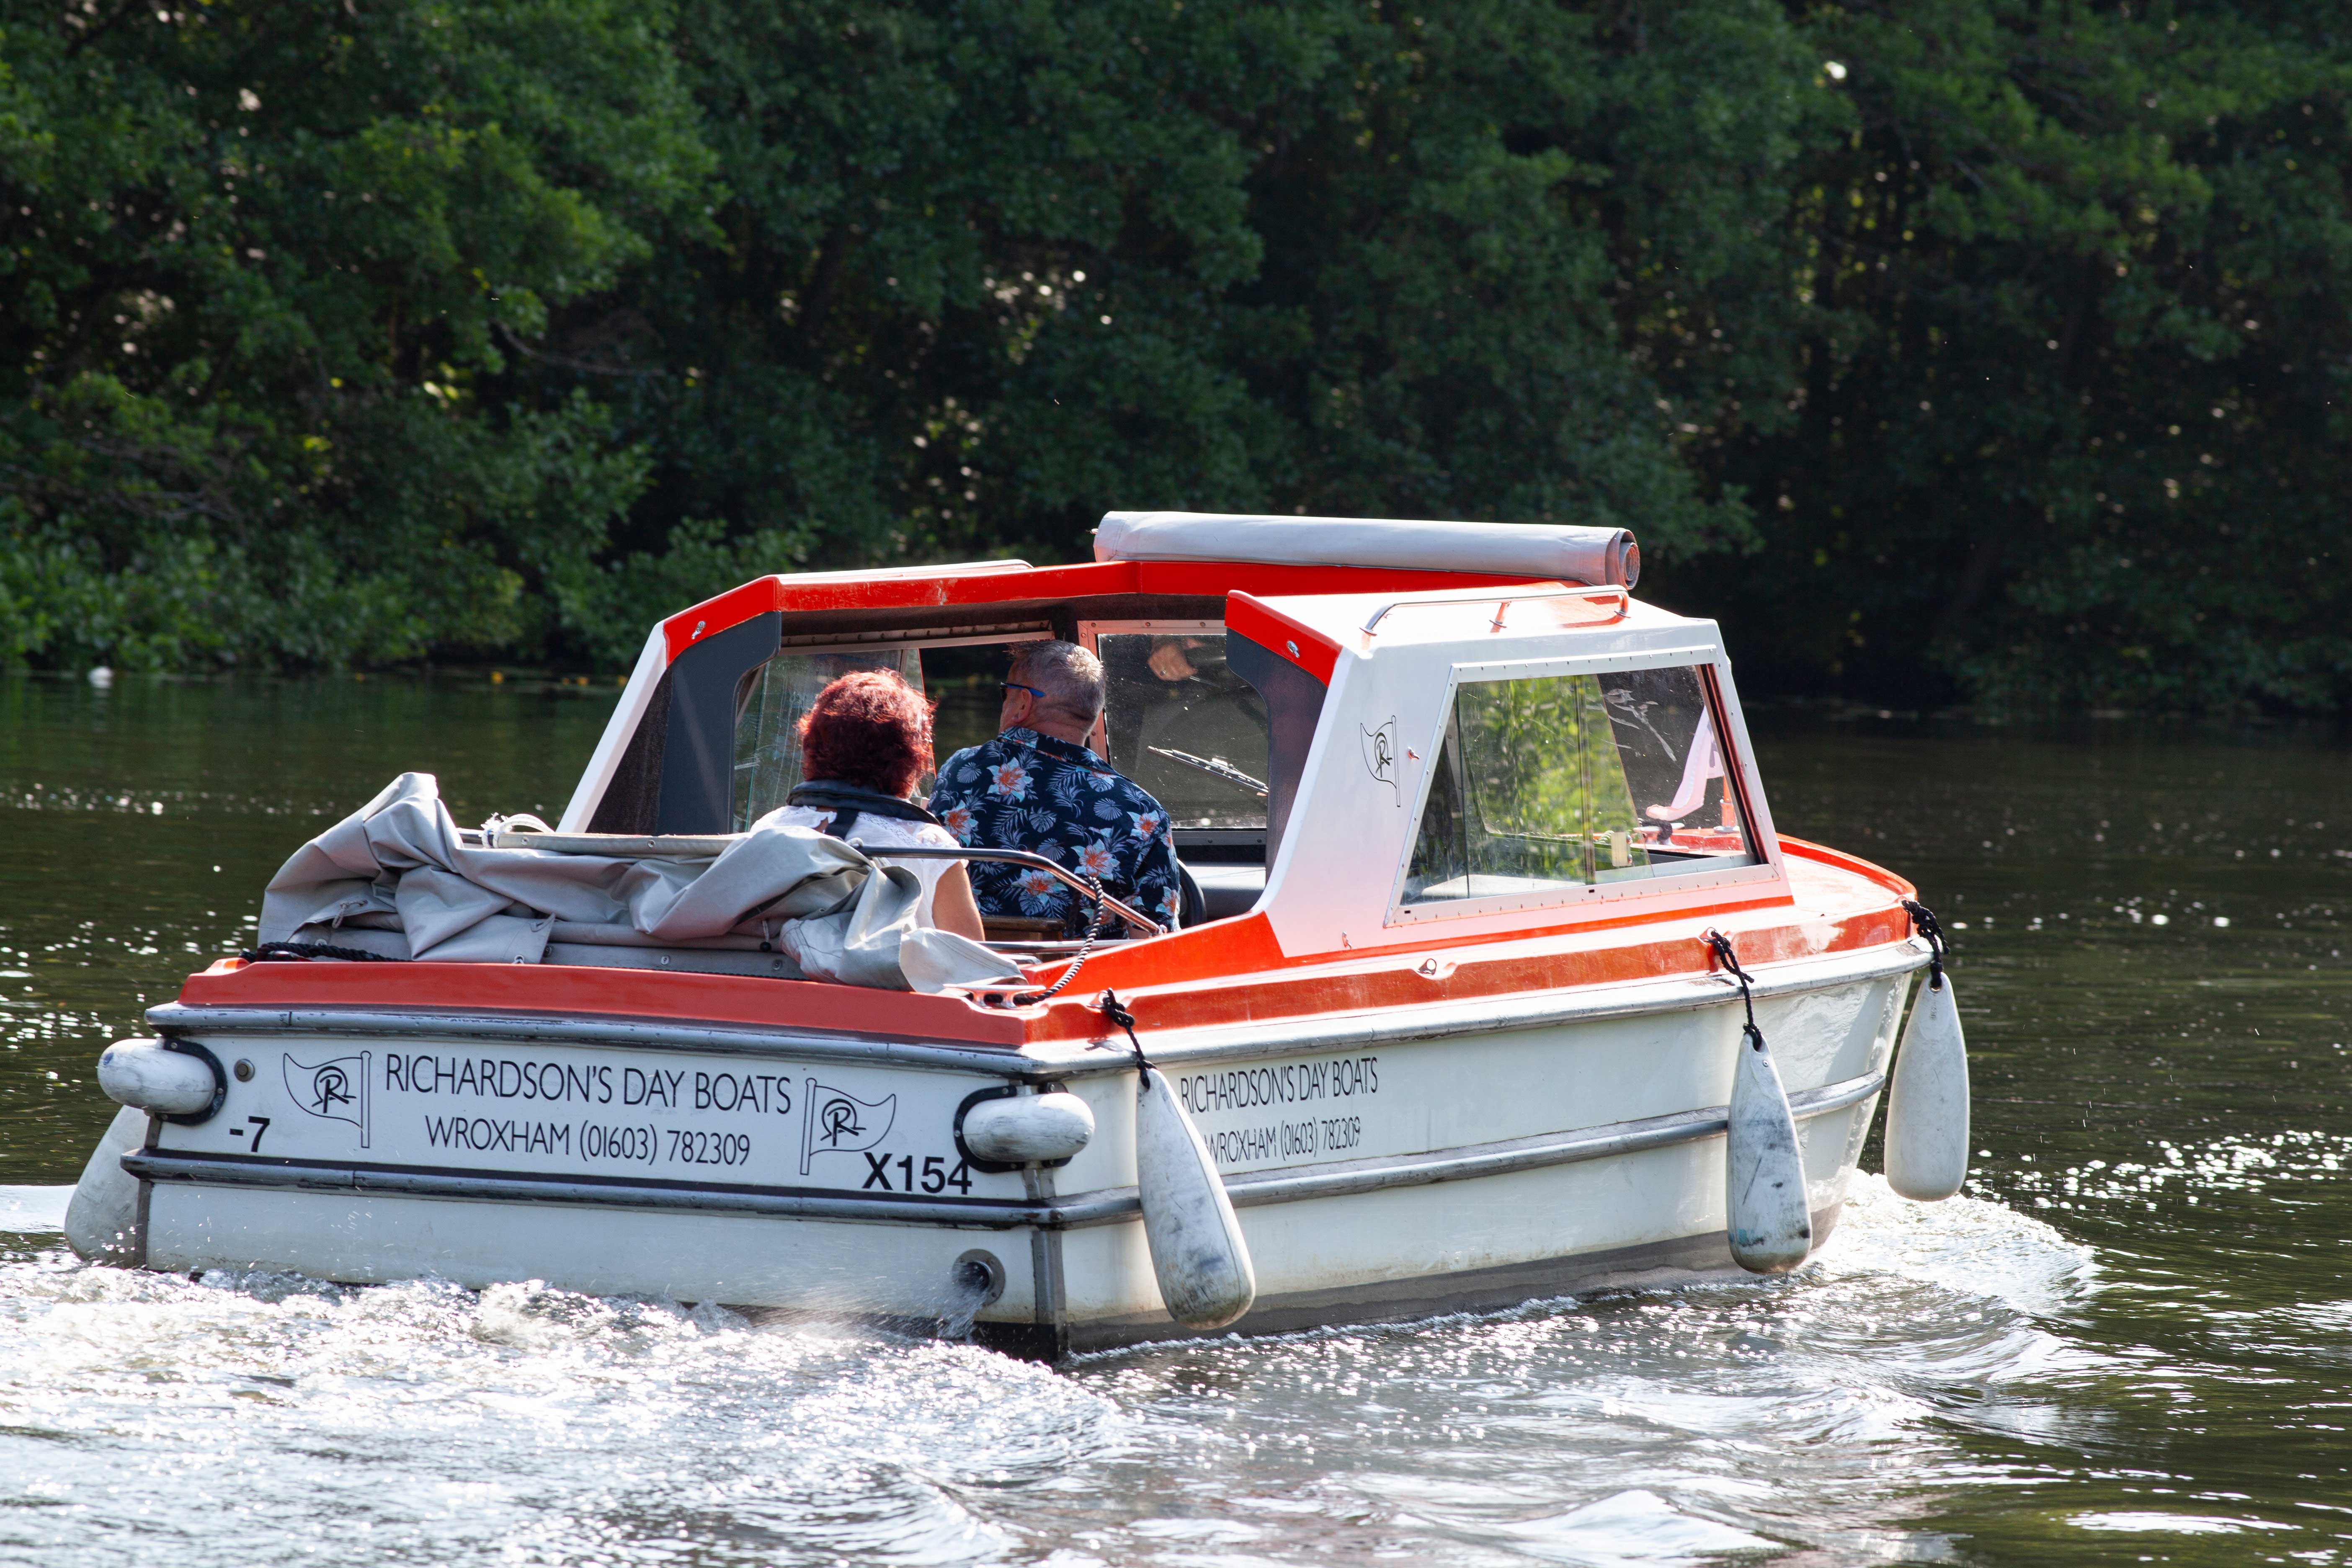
{"type": "Point", "coordinates": [1953, 349]}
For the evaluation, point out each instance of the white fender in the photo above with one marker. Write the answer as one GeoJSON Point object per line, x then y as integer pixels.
{"type": "Point", "coordinates": [1019, 1129]}
{"type": "Point", "coordinates": [143, 1074]}
{"type": "Point", "coordinates": [1928, 1105]}
{"type": "Point", "coordinates": [1197, 1251]}
{"type": "Point", "coordinates": [1764, 1198]}
{"type": "Point", "coordinates": [102, 1216]}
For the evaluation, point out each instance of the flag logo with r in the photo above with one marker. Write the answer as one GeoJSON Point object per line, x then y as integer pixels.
{"type": "Point", "coordinates": [833, 1123]}
{"type": "Point", "coordinates": [336, 1090]}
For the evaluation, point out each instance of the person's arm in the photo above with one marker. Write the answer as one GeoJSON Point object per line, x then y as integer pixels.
{"type": "Point", "coordinates": [952, 908]}
{"type": "Point", "coordinates": [1157, 886]}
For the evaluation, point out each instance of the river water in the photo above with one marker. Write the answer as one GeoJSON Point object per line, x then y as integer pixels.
{"type": "Point", "coordinates": [2131, 1342]}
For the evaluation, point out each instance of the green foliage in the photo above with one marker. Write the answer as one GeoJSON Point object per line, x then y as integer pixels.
{"type": "Point", "coordinates": [2003, 358]}
{"type": "Point", "coordinates": [2070, 429]}
{"type": "Point", "coordinates": [261, 271]}
{"type": "Point", "coordinates": [988, 269]}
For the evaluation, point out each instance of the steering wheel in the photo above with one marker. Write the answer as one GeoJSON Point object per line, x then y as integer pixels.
{"type": "Point", "coordinates": [1192, 905]}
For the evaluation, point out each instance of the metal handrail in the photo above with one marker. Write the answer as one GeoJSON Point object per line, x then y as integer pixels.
{"type": "Point", "coordinates": [1475, 595]}
{"type": "Point", "coordinates": [1141, 923]}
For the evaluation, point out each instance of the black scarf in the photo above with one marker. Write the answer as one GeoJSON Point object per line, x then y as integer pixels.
{"type": "Point", "coordinates": [848, 802]}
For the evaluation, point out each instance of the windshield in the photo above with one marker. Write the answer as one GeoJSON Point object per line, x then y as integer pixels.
{"type": "Point", "coordinates": [1571, 780]}
{"type": "Point", "coordinates": [768, 718]}
{"type": "Point", "coordinates": [1181, 723]}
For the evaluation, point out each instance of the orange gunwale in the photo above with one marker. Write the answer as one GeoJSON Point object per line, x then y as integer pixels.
{"type": "Point", "coordinates": [1229, 972]}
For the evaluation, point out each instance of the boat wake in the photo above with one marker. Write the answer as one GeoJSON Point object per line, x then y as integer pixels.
{"type": "Point", "coordinates": [536, 1425]}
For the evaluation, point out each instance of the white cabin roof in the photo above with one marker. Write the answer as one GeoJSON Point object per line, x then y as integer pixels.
{"type": "Point", "coordinates": [1332, 884]}
{"type": "Point", "coordinates": [1591, 555]}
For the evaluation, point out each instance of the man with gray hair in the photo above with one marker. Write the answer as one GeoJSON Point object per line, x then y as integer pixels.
{"type": "Point", "coordinates": [1038, 786]}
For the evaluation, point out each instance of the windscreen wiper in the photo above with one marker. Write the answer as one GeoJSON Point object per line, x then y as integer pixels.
{"type": "Point", "coordinates": [1215, 767]}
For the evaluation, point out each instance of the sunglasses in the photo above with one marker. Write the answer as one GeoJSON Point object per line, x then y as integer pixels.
{"type": "Point", "coordinates": [1016, 686]}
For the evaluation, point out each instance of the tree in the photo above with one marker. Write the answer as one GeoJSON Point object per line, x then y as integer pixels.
{"type": "Point", "coordinates": [988, 269]}
{"type": "Point", "coordinates": [1970, 347]}
{"type": "Point", "coordinates": [2071, 427]}
{"type": "Point", "coordinates": [260, 263]}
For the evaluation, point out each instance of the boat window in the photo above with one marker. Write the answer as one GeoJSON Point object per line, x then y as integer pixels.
{"type": "Point", "coordinates": [1180, 722]}
{"type": "Point", "coordinates": [1567, 781]}
{"type": "Point", "coordinates": [768, 717]}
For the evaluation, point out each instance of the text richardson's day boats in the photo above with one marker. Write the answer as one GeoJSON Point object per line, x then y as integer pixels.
{"type": "Point", "coordinates": [1491, 930]}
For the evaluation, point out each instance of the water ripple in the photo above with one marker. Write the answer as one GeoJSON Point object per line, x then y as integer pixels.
{"type": "Point", "coordinates": [424, 1421]}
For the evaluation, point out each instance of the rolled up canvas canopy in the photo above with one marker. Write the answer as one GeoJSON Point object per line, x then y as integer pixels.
{"type": "Point", "coordinates": [1595, 555]}
{"type": "Point", "coordinates": [400, 865]}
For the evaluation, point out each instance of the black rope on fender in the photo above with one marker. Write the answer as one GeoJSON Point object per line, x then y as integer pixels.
{"type": "Point", "coordinates": [1720, 945]}
{"type": "Point", "coordinates": [1108, 1004]}
{"type": "Point", "coordinates": [1924, 921]}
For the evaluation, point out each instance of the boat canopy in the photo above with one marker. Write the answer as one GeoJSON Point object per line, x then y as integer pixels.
{"type": "Point", "coordinates": [399, 880]}
{"type": "Point", "coordinates": [1357, 726]}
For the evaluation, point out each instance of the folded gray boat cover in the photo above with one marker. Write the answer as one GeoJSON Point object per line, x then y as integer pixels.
{"type": "Point", "coordinates": [399, 864]}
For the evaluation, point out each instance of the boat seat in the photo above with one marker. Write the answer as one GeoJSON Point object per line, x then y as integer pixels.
{"type": "Point", "coordinates": [1020, 929]}
{"type": "Point", "coordinates": [1228, 888]}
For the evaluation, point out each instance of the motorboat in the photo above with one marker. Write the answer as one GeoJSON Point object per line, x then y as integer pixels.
{"type": "Point", "coordinates": [1494, 980]}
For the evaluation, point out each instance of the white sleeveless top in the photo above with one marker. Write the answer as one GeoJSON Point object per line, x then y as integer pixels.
{"type": "Point", "coordinates": [877, 834]}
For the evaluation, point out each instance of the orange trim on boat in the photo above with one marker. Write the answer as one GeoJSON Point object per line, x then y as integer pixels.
{"type": "Point", "coordinates": [1230, 971]}
{"type": "Point", "coordinates": [1281, 635]}
{"type": "Point", "coordinates": [1260, 985]}
{"type": "Point", "coordinates": [1901, 887]}
{"type": "Point", "coordinates": [1201, 579]}
{"type": "Point", "coordinates": [581, 991]}
{"type": "Point", "coordinates": [1406, 980]}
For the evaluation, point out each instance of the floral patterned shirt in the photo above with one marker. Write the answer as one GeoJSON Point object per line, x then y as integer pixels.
{"type": "Point", "coordinates": [1027, 791]}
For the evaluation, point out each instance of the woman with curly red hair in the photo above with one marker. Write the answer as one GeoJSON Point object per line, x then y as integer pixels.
{"type": "Point", "coordinates": [863, 743]}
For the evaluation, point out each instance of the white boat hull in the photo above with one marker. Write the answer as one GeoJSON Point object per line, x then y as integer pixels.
{"type": "Point", "coordinates": [1383, 1167]}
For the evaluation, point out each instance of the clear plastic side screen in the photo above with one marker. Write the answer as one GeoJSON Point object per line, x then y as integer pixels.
{"type": "Point", "coordinates": [768, 718]}
{"type": "Point", "coordinates": [1567, 781]}
{"type": "Point", "coordinates": [1181, 724]}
